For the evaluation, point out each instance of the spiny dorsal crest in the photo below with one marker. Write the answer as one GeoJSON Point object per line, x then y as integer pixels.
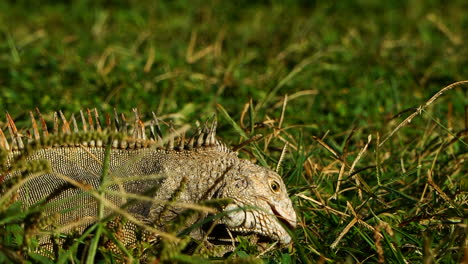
{"type": "Point", "coordinates": [136, 134]}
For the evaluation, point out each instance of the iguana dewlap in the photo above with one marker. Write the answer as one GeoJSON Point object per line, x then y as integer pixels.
{"type": "Point", "coordinates": [199, 168]}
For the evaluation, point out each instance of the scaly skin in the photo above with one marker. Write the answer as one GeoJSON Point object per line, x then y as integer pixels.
{"type": "Point", "coordinates": [260, 203]}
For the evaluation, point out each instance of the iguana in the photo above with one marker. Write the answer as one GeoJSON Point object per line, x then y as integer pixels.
{"type": "Point", "coordinates": [173, 171]}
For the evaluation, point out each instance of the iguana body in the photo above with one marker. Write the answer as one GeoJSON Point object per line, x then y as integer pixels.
{"type": "Point", "coordinates": [195, 170]}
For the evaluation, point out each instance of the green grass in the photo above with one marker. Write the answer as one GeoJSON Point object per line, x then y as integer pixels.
{"type": "Point", "coordinates": [350, 69]}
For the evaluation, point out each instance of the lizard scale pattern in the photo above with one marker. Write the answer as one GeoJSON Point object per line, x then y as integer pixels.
{"type": "Point", "coordinates": [141, 163]}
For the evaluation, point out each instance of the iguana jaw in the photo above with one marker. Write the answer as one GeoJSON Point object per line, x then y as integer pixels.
{"type": "Point", "coordinates": [267, 221]}
{"type": "Point", "coordinates": [282, 217]}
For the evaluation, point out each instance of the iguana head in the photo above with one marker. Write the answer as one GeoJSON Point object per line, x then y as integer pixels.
{"type": "Point", "coordinates": [260, 203]}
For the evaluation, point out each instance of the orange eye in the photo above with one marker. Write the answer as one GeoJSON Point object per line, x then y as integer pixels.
{"type": "Point", "coordinates": [275, 187]}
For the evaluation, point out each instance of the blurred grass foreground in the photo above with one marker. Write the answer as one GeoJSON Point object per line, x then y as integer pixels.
{"type": "Point", "coordinates": [323, 82]}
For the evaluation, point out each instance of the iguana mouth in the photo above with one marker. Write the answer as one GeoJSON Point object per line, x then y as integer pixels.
{"type": "Point", "coordinates": [283, 220]}
{"type": "Point", "coordinates": [223, 234]}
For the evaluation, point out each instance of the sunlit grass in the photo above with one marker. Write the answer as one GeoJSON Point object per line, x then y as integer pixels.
{"type": "Point", "coordinates": [352, 72]}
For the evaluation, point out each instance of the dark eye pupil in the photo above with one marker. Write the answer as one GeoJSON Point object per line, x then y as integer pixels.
{"type": "Point", "coordinates": [274, 186]}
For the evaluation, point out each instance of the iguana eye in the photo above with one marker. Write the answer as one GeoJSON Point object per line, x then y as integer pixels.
{"type": "Point", "coordinates": [275, 187]}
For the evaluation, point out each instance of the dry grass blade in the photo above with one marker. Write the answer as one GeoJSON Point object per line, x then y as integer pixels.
{"type": "Point", "coordinates": [150, 61]}
{"type": "Point", "coordinates": [254, 138]}
{"type": "Point", "coordinates": [193, 56]}
{"type": "Point", "coordinates": [297, 95]}
{"type": "Point", "coordinates": [296, 70]}
{"type": "Point", "coordinates": [343, 233]}
{"type": "Point", "coordinates": [355, 220]}
{"type": "Point", "coordinates": [439, 190]}
{"type": "Point", "coordinates": [338, 182]}
{"type": "Point", "coordinates": [343, 165]}
{"type": "Point", "coordinates": [421, 108]}
{"type": "Point", "coordinates": [351, 170]}
{"type": "Point", "coordinates": [334, 211]}
{"type": "Point", "coordinates": [270, 248]}
{"type": "Point", "coordinates": [285, 102]}
{"type": "Point", "coordinates": [325, 145]}
{"type": "Point", "coordinates": [281, 158]}
{"type": "Point", "coordinates": [243, 113]}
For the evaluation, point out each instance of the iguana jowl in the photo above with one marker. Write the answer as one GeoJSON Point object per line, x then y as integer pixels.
{"type": "Point", "coordinates": [199, 168]}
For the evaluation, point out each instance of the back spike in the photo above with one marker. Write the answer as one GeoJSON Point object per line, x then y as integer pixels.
{"type": "Point", "coordinates": [206, 134]}
{"type": "Point", "coordinates": [28, 136]}
{"type": "Point", "coordinates": [141, 127]}
{"type": "Point", "coordinates": [56, 123]}
{"type": "Point", "coordinates": [182, 141]}
{"type": "Point", "coordinates": [108, 121]}
{"type": "Point", "coordinates": [170, 144]}
{"type": "Point", "coordinates": [152, 135]}
{"type": "Point", "coordinates": [200, 139]}
{"type": "Point", "coordinates": [74, 123]}
{"type": "Point", "coordinates": [83, 121]}
{"type": "Point", "coordinates": [45, 131]}
{"type": "Point", "coordinates": [139, 131]}
{"type": "Point", "coordinates": [123, 143]}
{"type": "Point", "coordinates": [65, 126]}
{"type": "Point", "coordinates": [117, 120]}
{"type": "Point", "coordinates": [137, 115]}
{"type": "Point", "coordinates": [98, 121]}
{"type": "Point", "coordinates": [16, 138]}
{"type": "Point", "coordinates": [212, 133]}
{"type": "Point", "coordinates": [191, 142]}
{"type": "Point", "coordinates": [136, 126]}
{"type": "Point", "coordinates": [124, 123]}
{"type": "Point", "coordinates": [158, 128]}
{"type": "Point", "coordinates": [137, 134]}
{"type": "Point", "coordinates": [90, 120]}
{"type": "Point", "coordinates": [3, 141]}
{"type": "Point", "coordinates": [34, 127]}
